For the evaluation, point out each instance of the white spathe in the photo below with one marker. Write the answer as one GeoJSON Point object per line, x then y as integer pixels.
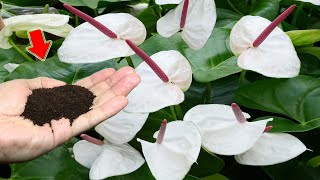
{"type": "Point", "coordinates": [275, 57]}
{"type": "Point", "coordinates": [11, 67]}
{"type": "Point", "coordinates": [200, 21]}
{"type": "Point", "coordinates": [107, 160]}
{"type": "Point", "coordinates": [315, 2]}
{"type": "Point", "coordinates": [152, 94]}
{"type": "Point", "coordinates": [122, 127]}
{"type": "Point", "coordinates": [52, 23]}
{"type": "Point", "coordinates": [272, 148]}
{"type": "Point", "coordinates": [221, 132]}
{"type": "Point", "coordinates": [173, 158]}
{"type": "Point", "coordinates": [162, 2]}
{"type": "Point", "coordinates": [86, 44]}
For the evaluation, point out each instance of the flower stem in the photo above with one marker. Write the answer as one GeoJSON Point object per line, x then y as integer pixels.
{"type": "Point", "coordinates": [173, 113]}
{"type": "Point", "coordinates": [234, 8]}
{"type": "Point", "coordinates": [209, 92]}
{"type": "Point", "coordinates": [272, 26]}
{"type": "Point", "coordinates": [184, 13]}
{"type": "Point", "coordinates": [297, 14]}
{"type": "Point", "coordinates": [129, 61]}
{"type": "Point", "coordinates": [19, 50]}
{"type": "Point", "coordinates": [162, 131]}
{"type": "Point", "coordinates": [76, 20]}
{"type": "Point", "coordinates": [92, 21]}
{"type": "Point", "coordinates": [46, 9]}
{"type": "Point", "coordinates": [242, 77]}
{"type": "Point", "coordinates": [179, 111]}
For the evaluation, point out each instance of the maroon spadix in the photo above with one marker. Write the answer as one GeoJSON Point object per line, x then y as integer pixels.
{"type": "Point", "coordinates": [91, 139]}
{"type": "Point", "coordinates": [162, 131]}
{"type": "Point", "coordinates": [267, 129]}
{"type": "Point", "coordinates": [112, 35]}
{"type": "Point", "coordinates": [272, 26]}
{"type": "Point", "coordinates": [184, 13]}
{"type": "Point", "coordinates": [238, 113]}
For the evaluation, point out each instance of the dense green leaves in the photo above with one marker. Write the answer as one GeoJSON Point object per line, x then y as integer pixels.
{"type": "Point", "coordinates": [304, 37]}
{"type": "Point", "coordinates": [9, 56]}
{"type": "Point", "coordinates": [58, 164]}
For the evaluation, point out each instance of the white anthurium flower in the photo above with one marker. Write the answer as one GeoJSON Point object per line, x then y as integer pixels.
{"type": "Point", "coordinates": [195, 18]}
{"type": "Point", "coordinates": [106, 159]}
{"type": "Point", "coordinates": [11, 67]}
{"type": "Point", "coordinates": [177, 148]}
{"type": "Point", "coordinates": [224, 129]}
{"type": "Point", "coordinates": [275, 57]}
{"type": "Point", "coordinates": [87, 44]}
{"type": "Point", "coordinates": [56, 24]}
{"type": "Point", "coordinates": [152, 94]}
{"type": "Point", "coordinates": [122, 127]}
{"type": "Point", "coordinates": [272, 148]}
{"type": "Point", "coordinates": [315, 2]}
{"type": "Point", "coordinates": [162, 2]}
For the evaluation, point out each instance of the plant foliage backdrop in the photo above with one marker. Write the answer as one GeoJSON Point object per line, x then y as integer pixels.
{"type": "Point", "coordinates": [292, 103]}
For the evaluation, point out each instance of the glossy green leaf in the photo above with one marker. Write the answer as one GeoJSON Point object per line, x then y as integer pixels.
{"type": "Point", "coordinates": [93, 4]}
{"type": "Point", "coordinates": [53, 68]}
{"type": "Point", "coordinates": [57, 164]}
{"type": "Point", "coordinates": [226, 18]}
{"type": "Point", "coordinates": [314, 162]}
{"type": "Point", "coordinates": [304, 37]}
{"type": "Point", "coordinates": [215, 177]}
{"type": "Point", "coordinates": [265, 8]}
{"type": "Point", "coordinates": [215, 60]}
{"type": "Point", "coordinates": [297, 98]}
{"type": "Point", "coordinates": [9, 56]}
{"type": "Point", "coordinates": [310, 50]}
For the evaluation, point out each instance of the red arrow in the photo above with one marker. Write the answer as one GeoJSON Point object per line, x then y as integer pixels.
{"type": "Point", "coordinates": [39, 46]}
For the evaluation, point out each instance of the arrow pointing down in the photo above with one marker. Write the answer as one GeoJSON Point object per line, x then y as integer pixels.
{"type": "Point", "coordinates": [39, 46]}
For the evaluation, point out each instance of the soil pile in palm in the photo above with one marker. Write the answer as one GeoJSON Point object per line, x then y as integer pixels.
{"type": "Point", "coordinates": [68, 101]}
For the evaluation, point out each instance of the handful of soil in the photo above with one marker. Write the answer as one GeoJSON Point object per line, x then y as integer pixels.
{"type": "Point", "coordinates": [68, 101]}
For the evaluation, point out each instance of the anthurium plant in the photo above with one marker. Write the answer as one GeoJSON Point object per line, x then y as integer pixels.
{"type": "Point", "coordinates": [229, 88]}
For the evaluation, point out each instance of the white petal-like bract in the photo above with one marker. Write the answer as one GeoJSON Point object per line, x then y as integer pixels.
{"type": "Point", "coordinates": [221, 132]}
{"type": "Point", "coordinates": [122, 127]}
{"type": "Point", "coordinates": [275, 57]}
{"type": "Point", "coordinates": [272, 148]}
{"type": "Point", "coordinates": [173, 158]}
{"type": "Point", "coordinates": [200, 21]}
{"type": "Point", "coordinates": [315, 2]}
{"type": "Point", "coordinates": [86, 44]}
{"type": "Point", "coordinates": [107, 160]}
{"type": "Point", "coordinates": [152, 94]}
{"type": "Point", "coordinates": [52, 23]}
{"type": "Point", "coordinates": [162, 2]}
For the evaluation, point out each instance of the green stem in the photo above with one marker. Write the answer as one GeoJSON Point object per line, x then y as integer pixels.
{"type": "Point", "coordinates": [173, 113]}
{"type": "Point", "coordinates": [129, 61]}
{"type": "Point", "coordinates": [242, 77]}
{"type": "Point", "coordinates": [179, 111]}
{"type": "Point", "coordinates": [46, 9]}
{"type": "Point", "coordinates": [234, 8]}
{"type": "Point", "coordinates": [76, 19]}
{"type": "Point", "coordinates": [95, 11]}
{"type": "Point", "coordinates": [297, 14]}
{"type": "Point", "coordinates": [19, 50]}
{"type": "Point", "coordinates": [209, 92]}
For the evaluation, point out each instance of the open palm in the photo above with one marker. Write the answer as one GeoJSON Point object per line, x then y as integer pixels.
{"type": "Point", "coordinates": [21, 140]}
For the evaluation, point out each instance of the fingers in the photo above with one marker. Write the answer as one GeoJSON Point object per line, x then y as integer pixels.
{"type": "Point", "coordinates": [98, 114]}
{"type": "Point", "coordinates": [43, 82]}
{"type": "Point", "coordinates": [105, 85]}
{"type": "Point", "coordinates": [121, 88]}
{"type": "Point", "coordinates": [95, 78]}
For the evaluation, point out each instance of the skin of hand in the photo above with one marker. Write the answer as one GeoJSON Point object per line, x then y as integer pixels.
{"type": "Point", "coordinates": [21, 140]}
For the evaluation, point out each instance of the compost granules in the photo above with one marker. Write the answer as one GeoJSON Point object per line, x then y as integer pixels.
{"type": "Point", "coordinates": [68, 101]}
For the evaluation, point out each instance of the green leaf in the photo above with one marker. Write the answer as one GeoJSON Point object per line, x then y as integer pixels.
{"type": "Point", "coordinates": [149, 18]}
{"type": "Point", "coordinates": [57, 164]}
{"type": "Point", "coordinates": [226, 18]}
{"type": "Point", "coordinates": [215, 60]}
{"type": "Point", "coordinates": [93, 4]}
{"type": "Point", "coordinates": [285, 125]}
{"type": "Point", "coordinates": [215, 177]}
{"type": "Point", "coordinates": [9, 56]}
{"type": "Point", "coordinates": [314, 162]}
{"type": "Point", "coordinates": [304, 37]}
{"type": "Point", "coordinates": [265, 8]}
{"type": "Point", "coordinates": [53, 68]}
{"type": "Point", "coordinates": [310, 50]}
{"type": "Point", "coordinates": [297, 98]}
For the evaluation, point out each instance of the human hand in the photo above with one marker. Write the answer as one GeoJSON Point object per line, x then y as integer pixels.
{"type": "Point", "coordinates": [21, 140]}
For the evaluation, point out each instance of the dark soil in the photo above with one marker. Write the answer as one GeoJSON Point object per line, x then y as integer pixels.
{"type": "Point", "coordinates": [68, 101]}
